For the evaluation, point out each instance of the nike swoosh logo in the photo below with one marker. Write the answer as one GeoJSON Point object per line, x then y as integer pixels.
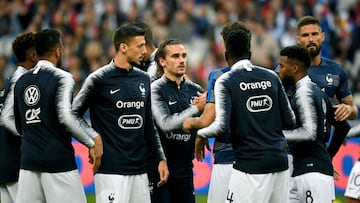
{"type": "Point", "coordinates": [172, 102]}
{"type": "Point", "coordinates": [114, 91]}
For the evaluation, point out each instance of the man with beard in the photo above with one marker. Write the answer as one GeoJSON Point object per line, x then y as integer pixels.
{"type": "Point", "coordinates": [43, 116]}
{"type": "Point", "coordinates": [332, 79]}
{"type": "Point", "coordinates": [326, 73]}
{"type": "Point", "coordinates": [117, 96]}
{"type": "Point", "coordinates": [312, 179]}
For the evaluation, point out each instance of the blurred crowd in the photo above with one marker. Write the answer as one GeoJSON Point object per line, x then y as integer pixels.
{"type": "Point", "coordinates": [87, 27]}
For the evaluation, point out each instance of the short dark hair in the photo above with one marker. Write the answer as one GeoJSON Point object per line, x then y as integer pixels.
{"type": "Point", "coordinates": [125, 33]}
{"type": "Point", "coordinates": [308, 20]}
{"type": "Point", "coordinates": [298, 54]}
{"type": "Point", "coordinates": [46, 40]}
{"type": "Point", "coordinates": [23, 43]}
{"type": "Point", "coordinates": [237, 45]}
{"type": "Point", "coordinates": [148, 33]}
{"type": "Point", "coordinates": [233, 26]}
{"type": "Point", "coordinates": [161, 53]}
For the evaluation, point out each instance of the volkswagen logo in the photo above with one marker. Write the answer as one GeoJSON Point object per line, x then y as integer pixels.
{"type": "Point", "coordinates": [31, 95]}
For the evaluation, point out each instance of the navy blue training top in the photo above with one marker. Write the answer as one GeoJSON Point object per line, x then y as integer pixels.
{"type": "Point", "coordinates": [251, 101]}
{"type": "Point", "coordinates": [171, 104]}
{"type": "Point", "coordinates": [307, 142]}
{"type": "Point", "coordinates": [331, 78]}
{"type": "Point", "coordinates": [42, 110]}
{"type": "Point", "coordinates": [120, 111]}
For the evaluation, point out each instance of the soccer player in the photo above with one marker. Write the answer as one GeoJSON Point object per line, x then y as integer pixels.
{"type": "Point", "coordinates": [222, 150]}
{"type": "Point", "coordinates": [173, 99]}
{"type": "Point", "coordinates": [24, 50]}
{"type": "Point", "coordinates": [42, 111]}
{"type": "Point", "coordinates": [251, 102]}
{"type": "Point", "coordinates": [331, 78]}
{"type": "Point", "coordinates": [312, 178]}
{"type": "Point", "coordinates": [148, 64]}
{"type": "Point", "coordinates": [326, 73]}
{"type": "Point", "coordinates": [118, 98]}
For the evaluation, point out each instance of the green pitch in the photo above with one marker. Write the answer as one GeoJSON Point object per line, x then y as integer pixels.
{"type": "Point", "coordinates": [199, 198]}
{"type": "Point", "coordinates": [203, 198]}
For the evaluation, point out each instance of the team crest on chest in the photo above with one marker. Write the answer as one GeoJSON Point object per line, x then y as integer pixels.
{"type": "Point", "coordinates": [329, 79]}
{"type": "Point", "coordinates": [142, 89]}
{"type": "Point", "coordinates": [332, 80]}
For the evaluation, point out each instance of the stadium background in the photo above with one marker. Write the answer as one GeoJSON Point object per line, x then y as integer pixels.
{"type": "Point", "coordinates": [87, 25]}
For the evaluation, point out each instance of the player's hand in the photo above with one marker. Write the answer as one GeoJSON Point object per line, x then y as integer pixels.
{"type": "Point", "coordinates": [196, 99]}
{"type": "Point", "coordinates": [336, 175]}
{"type": "Point", "coordinates": [200, 144]}
{"type": "Point", "coordinates": [342, 112]}
{"type": "Point", "coordinates": [163, 173]}
{"type": "Point", "coordinates": [200, 100]}
{"type": "Point", "coordinates": [95, 153]}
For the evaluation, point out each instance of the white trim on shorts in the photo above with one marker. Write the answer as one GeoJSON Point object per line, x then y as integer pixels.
{"type": "Point", "coordinates": [219, 182]}
{"type": "Point", "coordinates": [8, 192]}
{"type": "Point", "coordinates": [353, 185]}
{"type": "Point", "coordinates": [41, 187]}
{"type": "Point", "coordinates": [312, 187]}
{"type": "Point", "coordinates": [121, 188]}
{"type": "Point", "coordinates": [269, 187]}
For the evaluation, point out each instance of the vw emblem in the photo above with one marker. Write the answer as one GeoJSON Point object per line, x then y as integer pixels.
{"type": "Point", "coordinates": [32, 95]}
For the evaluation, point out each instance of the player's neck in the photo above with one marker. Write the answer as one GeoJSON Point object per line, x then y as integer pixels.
{"type": "Point", "coordinates": [121, 62]}
{"type": "Point", "coordinates": [174, 78]}
{"type": "Point", "coordinates": [27, 64]}
{"type": "Point", "coordinates": [299, 77]}
{"type": "Point", "coordinates": [315, 61]}
{"type": "Point", "coordinates": [51, 59]}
